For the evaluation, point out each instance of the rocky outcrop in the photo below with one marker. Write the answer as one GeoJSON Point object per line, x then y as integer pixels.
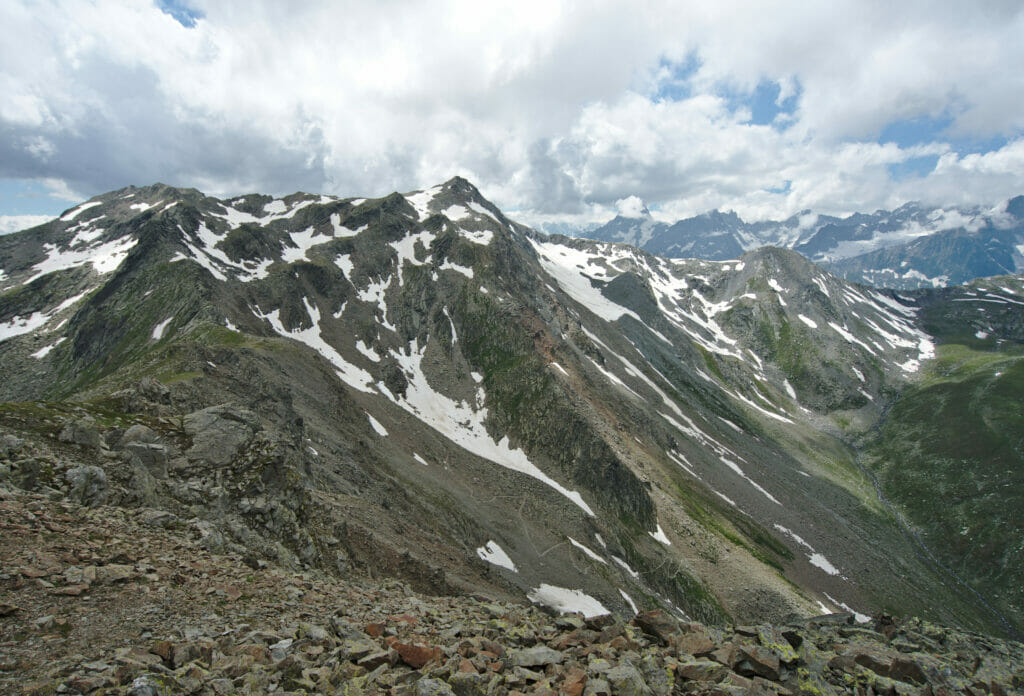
{"type": "Point", "coordinates": [177, 618]}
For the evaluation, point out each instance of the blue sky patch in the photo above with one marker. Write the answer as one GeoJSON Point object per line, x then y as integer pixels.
{"type": "Point", "coordinates": [28, 197]}
{"type": "Point", "coordinates": [185, 15]}
{"type": "Point", "coordinates": [915, 167]}
{"type": "Point", "coordinates": [677, 86]}
{"type": "Point", "coordinates": [915, 131]}
{"type": "Point", "coordinates": [763, 103]}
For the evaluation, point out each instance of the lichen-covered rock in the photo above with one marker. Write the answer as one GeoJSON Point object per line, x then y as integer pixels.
{"type": "Point", "coordinates": [88, 485]}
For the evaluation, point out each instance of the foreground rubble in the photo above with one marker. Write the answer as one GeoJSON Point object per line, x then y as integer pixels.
{"type": "Point", "coordinates": [104, 600]}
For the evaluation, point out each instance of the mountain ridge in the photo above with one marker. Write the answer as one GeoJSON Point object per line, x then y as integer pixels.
{"type": "Point", "coordinates": [393, 351]}
{"type": "Point", "coordinates": [906, 248]}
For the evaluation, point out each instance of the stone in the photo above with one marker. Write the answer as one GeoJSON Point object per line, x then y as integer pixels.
{"type": "Point", "coordinates": [538, 656]}
{"type": "Point", "coordinates": [756, 660]}
{"type": "Point", "coordinates": [626, 680]}
{"type": "Point", "coordinates": [702, 670]}
{"type": "Point", "coordinates": [597, 687]}
{"type": "Point", "coordinates": [114, 573]}
{"type": "Point", "coordinates": [906, 670]}
{"type": "Point", "coordinates": [8, 609]}
{"type": "Point", "coordinates": [88, 485]}
{"type": "Point", "coordinates": [139, 433]}
{"type": "Point", "coordinates": [432, 687]}
{"type": "Point", "coordinates": [657, 624]}
{"type": "Point", "coordinates": [81, 431]}
{"type": "Point", "coordinates": [773, 639]}
{"type": "Point", "coordinates": [416, 656]}
{"type": "Point", "coordinates": [10, 445]}
{"type": "Point", "coordinates": [144, 686]}
{"type": "Point", "coordinates": [468, 684]}
{"type": "Point", "coordinates": [218, 433]}
{"type": "Point", "coordinates": [151, 456]}
{"type": "Point", "coordinates": [153, 390]}
{"type": "Point", "coordinates": [696, 644]}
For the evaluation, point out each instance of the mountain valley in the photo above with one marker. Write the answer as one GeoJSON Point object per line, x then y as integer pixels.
{"type": "Point", "coordinates": [418, 387]}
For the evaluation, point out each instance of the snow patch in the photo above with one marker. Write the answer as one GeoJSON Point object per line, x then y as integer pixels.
{"type": "Point", "coordinates": [630, 602]}
{"type": "Point", "coordinates": [810, 322]}
{"type": "Point", "coordinates": [660, 537]}
{"type": "Point", "coordinates": [566, 601]}
{"type": "Point", "coordinates": [463, 423]}
{"type": "Point", "coordinates": [585, 549]}
{"type": "Point", "coordinates": [158, 330]}
{"type": "Point", "coordinates": [351, 375]}
{"type": "Point", "coordinates": [495, 555]}
{"type": "Point", "coordinates": [70, 215]}
{"type": "Point", "coordinates": [375, 424]}
{"type": "Point", "coordinates": [43, 352]}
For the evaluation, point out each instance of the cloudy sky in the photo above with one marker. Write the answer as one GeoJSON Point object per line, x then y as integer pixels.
{"type": "Point", "coordinates": [557, 111]}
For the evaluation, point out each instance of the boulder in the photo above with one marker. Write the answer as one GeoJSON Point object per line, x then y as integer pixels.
{"type": "Point", "coordinates": [88, 485]}
{"type": "Point", "coordinates": [657, 624]}
{"type": "Point", "coordinates": [219, 432]}
{"type": "Point", "coordinates": [81, 431]}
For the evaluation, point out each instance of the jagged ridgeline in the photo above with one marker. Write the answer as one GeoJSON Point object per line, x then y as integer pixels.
{"type": "Point", "coordinates": [417, 386]}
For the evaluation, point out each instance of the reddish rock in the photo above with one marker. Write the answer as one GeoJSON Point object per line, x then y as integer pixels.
{"type": "Point", "coordinates": [467, 666]}
{"type": "Point", "coordinates": [758, 661]}
{"type": "Point", "coordinates": [574, 683]}
{"type": "Point", "coordinates": [374, 630]}
{"type": "Point", "coordinates": [497, 666]}
{"type": "Point", "coordinates": [259, 652]}
{"type": "Point", "coordinates": [404, 618]}
{"type": "Point", "coordinates": [34, 572]}
{"type": "Point", "coordinates": [696, 644]}
{"type": "Point", "coordinates": [416, 656]}
{"type": "Point", "coordinates": [658, 624]}
{"type": "Point", "coordinates": [164, 649]}
{"type": "Point", "coordinates": [70, 590]}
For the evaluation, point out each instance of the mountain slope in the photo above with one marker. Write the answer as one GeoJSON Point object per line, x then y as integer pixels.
{"type": "Point", "coordinates": [416, 385]}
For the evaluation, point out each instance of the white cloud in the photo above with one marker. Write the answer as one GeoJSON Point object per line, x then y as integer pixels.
{"type": "Point", "coordinates": [631, 207]}
{"type": "Point", "coordinates": [15, 223]}
{"type": "Point", "coordinates": [552, 108]}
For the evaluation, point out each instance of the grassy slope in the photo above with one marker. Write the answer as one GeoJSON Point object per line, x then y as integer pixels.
{"type": "Point", "coordinates": [951, 454]}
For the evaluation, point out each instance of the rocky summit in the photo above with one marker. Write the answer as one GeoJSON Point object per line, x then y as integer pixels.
{"type": "Point", "coordinates": [310, 444]}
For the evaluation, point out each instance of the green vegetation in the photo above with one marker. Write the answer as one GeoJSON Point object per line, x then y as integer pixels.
{"type": "Point", "coordinates": [738, 529]}
{"type": "Point", "coordinates": [951, 454]}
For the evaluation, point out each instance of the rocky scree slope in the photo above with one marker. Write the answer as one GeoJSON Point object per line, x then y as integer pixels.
{"type": "Point", "coordinates": [911, 247]}
{"type": "Point", "coordinates": [416, 386]}
{"type": "Point", "coordinates": [109, 600]}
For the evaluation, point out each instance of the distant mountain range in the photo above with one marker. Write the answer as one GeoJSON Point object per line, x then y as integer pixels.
{"type": "Point", "coordinates": [910, 247]}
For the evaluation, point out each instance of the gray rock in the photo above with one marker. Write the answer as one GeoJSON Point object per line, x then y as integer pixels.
{"type": "Point", "coordinates": [10, 445]}
{"type": "Point", "coordinates": [468, 684]}
{"type": "Point", "coordinates": [219, 432]}
{"type": "Point", "coordinates": [597, 687]}
{"type": "Point", "coordinates": [626, 680]}
{"type": "Point", "coordinates": [150, 455]}
{"type": "Point", "coordinates": [88, 485]}
{"type": "Point", "coordinates": [81, 432]}
{"type": "Point", "coordinates": [432, 687]}
{"type": "Point", "coordinates": [538, 656]}
{"type": "Point", "coordinates": [139, 433]}
{"type": "Point", "coordinates": [158, 518]}
{"type": "Point", "coordinates": [154, 391]}
{"type": "Point", "coordinates": [143, 686]}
